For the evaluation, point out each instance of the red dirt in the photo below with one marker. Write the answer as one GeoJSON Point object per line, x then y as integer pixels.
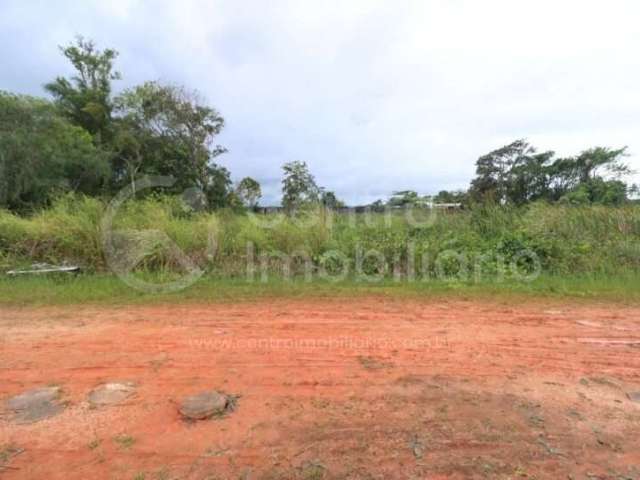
{"type": "Point", "coordinates": [363, 389]}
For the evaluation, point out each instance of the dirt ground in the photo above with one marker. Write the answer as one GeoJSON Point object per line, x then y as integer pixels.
{"type": "Point", "coordinates": [370, 388]}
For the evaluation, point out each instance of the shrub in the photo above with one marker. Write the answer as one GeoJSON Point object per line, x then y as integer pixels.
{"type": "Point", "coordinates": [564, 238]}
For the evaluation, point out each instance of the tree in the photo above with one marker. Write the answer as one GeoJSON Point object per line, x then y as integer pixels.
{"type": "Point", "coordinates": [517, 174]}
{"type": "Point", "coordinates": [564, 176]}
{"type": "Point", "coordinates": [377, 206]}
{"type": "Point", "coordinates": [129, 144]}
{"type": "Point", "coordinates": [405, 198]}
{"type": "Point", "coordinates": [41, 153]}
{"type": "Point", "coordinates": [529, 177]}
{"type": "Point", "coordinates": [598, 190]}
{"type": "Point", "coordinates": [592, 161]}
{"type": "Point", "coordinates": [249, 192]}
{"type": "Point", "coordinates": [85, 98]}
{"type": "Point", "coordinates": [329, 200]}
{"type": "Point", "coordinates": [299, 187]}
{"type": "Point", "coordinates": [445, 196]}
{"type": "Point", "coordinates": [217, 188]}
{"type": "Point", "coordinates": [167, 130]}
{"type": "Point", "coordinates": [580, 179]}
{"type": "Point", "coordinates": [495, 172]}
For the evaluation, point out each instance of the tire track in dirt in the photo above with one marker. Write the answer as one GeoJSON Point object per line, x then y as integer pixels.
{"type": "Point", "coordinates": [363, 388]}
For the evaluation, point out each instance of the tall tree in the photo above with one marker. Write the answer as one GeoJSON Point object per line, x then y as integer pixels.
{"type": "Point", "coordinates": [217, 186]}
{"type": "Point", "coordinates": [85, 98]}
{"type": "Point", "coordinates": [249, 192]}
{"type": "Point", "coordinates": [529, 179]}
{"type": "Point", "coordinates": [583, 178]}
{"type": "Point", "coordinates": [404, 198]}
{"type": "Point", "coordinates": [454, 196]}
{"type": "Point", "coordinates": [299, 188]}
{"type": "Point", "coordinates": [42, 154]}
{"type": "Point", "coordinates": [168, 130]}
{"type": "Point", "coordinates": [598, 190]}
{"type": "Point", "coordinates": [517, 174]}
{"type": "Point", "coordinates": [494, 171]}
{"type": "Point", "coordinates": [593, 161]}
{"type": "Point", "coordinates": [330, 200]}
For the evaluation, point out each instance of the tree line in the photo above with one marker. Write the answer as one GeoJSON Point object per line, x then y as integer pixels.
{"type": "Point", "coordinates": [86, 139]}
{"type": "Point", "coordinates": [517, 174]}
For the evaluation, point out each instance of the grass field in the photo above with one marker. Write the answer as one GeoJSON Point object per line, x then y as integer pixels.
{"type": "Point", "coordinates": [565, 240]}
{"type": "Point", "coordinates": [109, 289]}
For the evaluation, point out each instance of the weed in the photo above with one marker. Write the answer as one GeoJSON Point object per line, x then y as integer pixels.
{"type": "Point", "coordinates": [95, 443]}
{"type": "Point", "coordinates": [313, 471]}
{"type": "Point", "coordinates": [565, 239]}
{"type": "Point", "coordinates": [124, 441]}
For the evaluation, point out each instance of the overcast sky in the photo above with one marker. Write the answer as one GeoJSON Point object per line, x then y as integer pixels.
{"type": "Point", "coordinates": [375, 96]}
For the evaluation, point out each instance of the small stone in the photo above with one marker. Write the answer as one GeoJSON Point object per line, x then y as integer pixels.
{"type": "Point", "coordinates": [634, 396]}
{"type": "Point", "coordinates": [204, 405]}
{"type": "Point", "coordinates": [111, 393]}
{"type": "Point", "coordinates": [35, 405]}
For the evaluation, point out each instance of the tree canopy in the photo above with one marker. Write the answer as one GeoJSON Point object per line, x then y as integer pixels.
{"type": "Point", "coordinates": [85, 98]}
{"type": "Point", "coordinates": [299, 188]}
{"type": "Point", "coordinates": [249, 192]}
{"type": "Point", "coordinates": [517, 173]}
{"type": "Point", "coordinates": [41, 154]}
{"type": "Point", "coordinates": [167, 130]}
{"type": "Point", "coordinates": [88, 139]}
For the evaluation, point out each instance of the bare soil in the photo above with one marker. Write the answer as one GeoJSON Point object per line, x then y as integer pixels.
{"type": "Point", "coordinates": [371, 388]}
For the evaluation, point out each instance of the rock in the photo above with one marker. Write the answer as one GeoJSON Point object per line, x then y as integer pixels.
{"type": "Point", "coordinates": [35, 405]}
{"type": "Point", "coordinates": [204, 405]}
{"type": "Point", "coordinates": [111, 393]}
{"type": "Point", "coordinates": [634, 396]}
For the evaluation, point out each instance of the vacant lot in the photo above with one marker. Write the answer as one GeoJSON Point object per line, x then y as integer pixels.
{"type": "Point", "coordinates": [369, 388]}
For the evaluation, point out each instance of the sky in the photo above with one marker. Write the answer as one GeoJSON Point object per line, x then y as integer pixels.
{"type": "Point", "coordinates": [375, 96]}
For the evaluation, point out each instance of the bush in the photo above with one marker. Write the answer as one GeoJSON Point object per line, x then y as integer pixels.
{"type": "Point", "coordinates": [564, 238]}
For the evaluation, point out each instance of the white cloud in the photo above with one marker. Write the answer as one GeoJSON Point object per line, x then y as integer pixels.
{"type": "Point", "coordinates": [376, 96]}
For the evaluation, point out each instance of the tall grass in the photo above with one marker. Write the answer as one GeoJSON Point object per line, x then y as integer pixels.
{"type": "Point", "coordinates": [566, 239]}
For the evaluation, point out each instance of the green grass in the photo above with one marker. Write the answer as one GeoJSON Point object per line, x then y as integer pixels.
{"type": "Point", "coordinates": [567, 240]}
{"type": "Point", "coordinates": [581, 252]}
{"type": "Point", "coordinates": [110, 290]}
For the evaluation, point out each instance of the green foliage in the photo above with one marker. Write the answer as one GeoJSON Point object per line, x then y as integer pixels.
{"type": "Point", "coordinates": [249, 192]}
{"type": "Point", "coordinates": [217, 186]}
{"type": "Point", "coordinates": [42, 154]}
{"type": "Point", "coordinates": [299, 188]}
{"type": "Point", "coordinates": [109, 290]}
{"type": "Point", "coordinates": [66, 231]}
{"type": "Point", "coordinates": [167, 130]}
{"type": "Point", "coordinates": [329, 200]}
{"type": "Point", "coordinates": [405, 198]}
{"type": "Point", "coordinates": [597, 190]}
{"type": "Point", "coordinates": [565, 239]}
{"type": "Point", "coordinates": [150, 129]}
{"type": "Point", "coordinates": [518, 174]}
{"type": "Point", "coordinates": [85, 97]}
{"type": "Point", "coordinates": [457, 196]}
